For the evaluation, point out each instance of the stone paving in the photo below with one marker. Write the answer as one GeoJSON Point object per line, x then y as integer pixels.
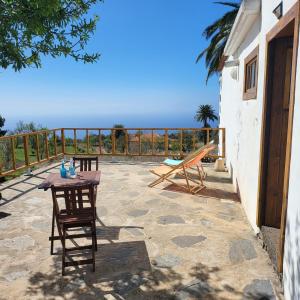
{"type": "Point", "coordinates": [157, 243]}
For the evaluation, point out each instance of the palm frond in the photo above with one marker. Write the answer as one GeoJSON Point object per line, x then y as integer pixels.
{"type": "Point", "coordinates": [231, 4]}
{"type": "Point", "coordinates": [215, 44]}
{"type": "Point", "coordinates": [216, 40]}
{"type": "Point", "coordinates": [226, 20]}
{"type": "Point", "coordinates": [201, 55]}
{"type": "Point", "coordinates": [218, 34]}
{"type": "Point", "coordinates": [214, 63]}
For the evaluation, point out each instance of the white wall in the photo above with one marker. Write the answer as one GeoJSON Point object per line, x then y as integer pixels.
{"type": "Point", "coordinates": [242, 120]}
{"type": "Point", "coordinates": [269, 19]}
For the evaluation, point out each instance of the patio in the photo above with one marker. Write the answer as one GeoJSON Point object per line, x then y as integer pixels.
{"type": "Point", "coordinates": [153, 243]}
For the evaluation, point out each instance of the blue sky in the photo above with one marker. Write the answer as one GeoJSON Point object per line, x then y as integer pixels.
{"type": "Point", "coordinates": [146, 73]}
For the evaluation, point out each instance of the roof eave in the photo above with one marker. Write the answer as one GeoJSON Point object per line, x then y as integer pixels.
{"type": "Point", "coordinates": [245, 18]}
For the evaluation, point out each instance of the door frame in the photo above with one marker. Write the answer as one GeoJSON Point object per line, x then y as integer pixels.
{"type": "Point", "coordinates": [290, 16]}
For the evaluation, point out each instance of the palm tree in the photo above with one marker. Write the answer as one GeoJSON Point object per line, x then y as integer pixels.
{"type": "Point", "coordinates": [119, 137]}
{"type": "Point", "coordinates": [204, 114]}
{"type": "Point", "coordinates": [2, 122]}
{"type": "Point", "coordinates": [218, 34]}
{"type": "Point", "coordinates": [119, 132]}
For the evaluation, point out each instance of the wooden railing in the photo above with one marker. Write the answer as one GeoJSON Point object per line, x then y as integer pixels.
{"type": "Point", "coordinates": [24, 150]}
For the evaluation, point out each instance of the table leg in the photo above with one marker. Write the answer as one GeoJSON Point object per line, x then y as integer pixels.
{"type": "Point", "coordinates": [52, 233]}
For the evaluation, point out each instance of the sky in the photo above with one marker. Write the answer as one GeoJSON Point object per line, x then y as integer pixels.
{"type": "Point", "coordinates": [146, 75]}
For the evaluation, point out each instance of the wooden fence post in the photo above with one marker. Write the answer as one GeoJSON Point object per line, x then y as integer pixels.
{"type": "Point", "coordinates": [87, 141]}
{"type": "Point", "coordinates": [25, 144]}
{"type": "Point", "coordinates": [140, 142]}
{"type": "Point", "coordinates": [194, 139]}
{"type": "Point", "coordinates": [63, 141]}
{"type": "Point", "coordinates": [152, 140]}
{"type": "Point", "coordinates": [113, 142]}
{"type": "Point", "coordinates": [13, 152]}
{"type": "Point", "coordinates": [166, 143]}
{"type": "Point", "coordinates": [126, 142]}
{"type": "Point", "coordinates": [75, 142]}
{"type": "Point", "coordinates": [37, 147]}
{"type": "Point", "coordinates": [207, 136]}
{"type": "Point", "coordinates": [181, 142]}
{"type": "Point", "coordinates": [47, 145]}
{"type": "Point", "coordinates": [55, 143]}
{"type": "Point", "coordinates": [99, 137]}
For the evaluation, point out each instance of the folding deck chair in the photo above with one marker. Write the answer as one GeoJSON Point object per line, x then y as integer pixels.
{"type": "Point", "coordinates": [166, 172]}
{"type": "Point", "coordinates": [176, 162]}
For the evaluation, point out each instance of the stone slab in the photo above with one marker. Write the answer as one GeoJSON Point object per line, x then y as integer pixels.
{"type": "Point", "coordinates": [185, 241]}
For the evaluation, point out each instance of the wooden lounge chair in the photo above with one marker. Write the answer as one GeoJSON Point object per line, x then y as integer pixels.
{"type": "Point", "coordinates": [166, 172]}
{"type": "Point", "coordinates": [176, 162]}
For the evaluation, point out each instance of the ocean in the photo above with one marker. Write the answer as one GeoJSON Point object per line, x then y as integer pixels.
{"type": "Point", "coordinates": [90, 121]}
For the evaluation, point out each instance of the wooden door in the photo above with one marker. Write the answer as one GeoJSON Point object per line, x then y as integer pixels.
{"type": "Point", "coordinates": [281, 51]}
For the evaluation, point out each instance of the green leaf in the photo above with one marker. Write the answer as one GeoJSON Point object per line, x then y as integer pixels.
{"type": "Point", "coordinates": [35, 28]}
{"type": "Point", "coordinates": [217, 33]}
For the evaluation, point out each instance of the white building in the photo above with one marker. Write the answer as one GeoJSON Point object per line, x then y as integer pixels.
{"type": "Point", "coordinates": [260, 109]}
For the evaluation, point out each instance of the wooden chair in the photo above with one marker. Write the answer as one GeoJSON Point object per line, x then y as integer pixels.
{"type": "Point", "coordinates": [166, 172]}
{"type": "Point", "coordinates": [85, 163]}
{"type": "Point", "coordinates": [73, 213]}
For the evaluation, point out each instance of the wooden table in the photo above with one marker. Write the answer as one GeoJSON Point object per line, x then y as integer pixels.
{"type": "Point", "coordinates": [54, 179]}
{"type": "Point", "coordinates": [82, 178]}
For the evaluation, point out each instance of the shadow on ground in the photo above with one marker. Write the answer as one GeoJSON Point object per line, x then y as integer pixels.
{"type": "Point", "coordinates": [127, 276]}
{"type": "Point", "coordinates": [206, 192]}
{"type": "Point", "coordinates": [132, 282]}
{"type": "Point", "coordinates": [21, 191]}
{"type": "Point", "coordinates": [124, 271]}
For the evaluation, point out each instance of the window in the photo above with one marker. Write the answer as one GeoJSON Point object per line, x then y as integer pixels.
{"type": "Point", "coordinates": [251, 72]}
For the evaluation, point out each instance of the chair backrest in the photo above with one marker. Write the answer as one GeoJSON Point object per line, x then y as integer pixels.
{"type": "Point", "coordinates": [73, 199]}
{"type": "Point", "coordinates": [194, 161]}
{"type": "Point", "coordinates": [196, 152]}
{"type": "Point", "coordinates": [85, 163]}
{"type": "Point", "coordinates": [196, 156]}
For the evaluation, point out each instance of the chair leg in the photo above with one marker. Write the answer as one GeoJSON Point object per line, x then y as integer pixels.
{"type": "Point", "coordinates": [203, 171]}
{"type": "Point", "coordinates": [157, 181]}
{"type": "Point", "coordinates": [96, 215]}
{"type": "Point", "coordinates": [94, 245]}
{"type": "Point", "coordinates": [63, 241]}
{"type": "Point", "coordinates": [187, 180]}
{"type": "Point", "coordinates": [95, 235]}
{"type": "Point", "coordinates": [52, 234]}
{"type": "Point", "coordinates": [95, 199]}
{"type": "Point", "coordinates": [200, 176]}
